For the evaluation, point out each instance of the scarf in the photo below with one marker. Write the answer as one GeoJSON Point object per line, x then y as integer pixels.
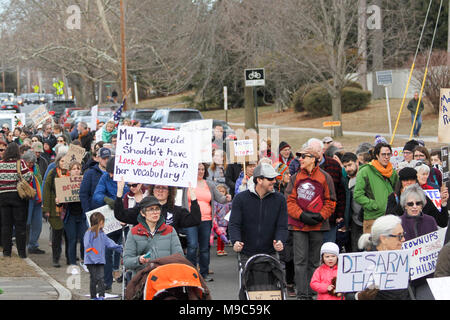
{"type": "Point", "coordinates": [36, 183]}
{"type": "Point", "coordinates": [385, 172]}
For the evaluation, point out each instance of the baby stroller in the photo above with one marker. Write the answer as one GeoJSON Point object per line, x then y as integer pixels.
{"type": "Point", "coordinates": [262, 278]}
{"type": "Point", "coordinates": [173, 281]}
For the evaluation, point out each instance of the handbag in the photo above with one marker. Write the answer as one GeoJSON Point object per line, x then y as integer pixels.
{"type": "Point", "coordinates": [24, 189]}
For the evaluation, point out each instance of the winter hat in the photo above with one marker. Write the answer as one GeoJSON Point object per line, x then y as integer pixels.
{"type": "Point", "coordinates": [379, 139]}
{"type": "Point", "coordinates": [330, 248]}
{"type": "Point", "coordinates": [283, 145]}
{"type": "Point", "coordinates": [281, 168]}
{"type": "Point", "coordinates": [407, 174]}
{"type": "Point", "coordinates": [410, 145]}
{"type": "Point", "coordinates": [363, 148]}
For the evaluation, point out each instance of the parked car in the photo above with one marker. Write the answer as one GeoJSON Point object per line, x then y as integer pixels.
{"type": "Point", "coordinates": [67, 114]}
{"type": "Point", "coordinates": [228, 132]}
{"type": "Point", "coordinates": [171, 119]}
{"type": "Point", "coordinates": [9, 107]}
{"type": "Point", "coordinates": [6, 96]}
{"type": "Point", "coordinates": [57, 107]}
{"type": "Point", "coordinates": [144, 116]}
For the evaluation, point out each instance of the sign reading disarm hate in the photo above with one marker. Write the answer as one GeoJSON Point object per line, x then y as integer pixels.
{"type": "Point", "coordinates": [386, 270]}
{"type": "Point", "coordinates": [155, 156]}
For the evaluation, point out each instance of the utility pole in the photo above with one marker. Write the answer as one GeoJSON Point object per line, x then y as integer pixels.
{"type": "Point", "coordinates": [362, 43]}
{"type": "Point", "coordinates": [124, 63]}
{"type": "Point", "coordinates": [18, 80]}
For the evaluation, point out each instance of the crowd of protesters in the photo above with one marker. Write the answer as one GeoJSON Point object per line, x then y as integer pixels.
{"type": "Point", "coordinates": [308, 205]}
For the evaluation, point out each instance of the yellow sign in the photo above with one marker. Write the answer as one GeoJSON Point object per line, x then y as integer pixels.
{"type": "Point", "coordinates": [36, 89]}
{"type": "Point", "coordinates": [332, 124]}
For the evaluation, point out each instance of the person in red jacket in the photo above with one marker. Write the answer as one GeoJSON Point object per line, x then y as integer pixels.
{"type": "Point", "coordinates": [323, 280]}
{"type": "Point", "coordinates": [311, 200]}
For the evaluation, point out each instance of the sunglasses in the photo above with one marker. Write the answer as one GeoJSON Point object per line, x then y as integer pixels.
{"type": "Point", "coordinates": [304, 155]}
{"type": "Point", "coordinates": [269, 179]}
{"type": "Point", "coordinates": [412, 203]}
{"type": "Point", "coordinates": [134, 185]}
{"type": "Point", "coordinates": [399, 236]}
{"type": "Point", "coordinates": [2, 150]}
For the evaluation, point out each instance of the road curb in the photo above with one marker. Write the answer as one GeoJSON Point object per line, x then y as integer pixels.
{"type": "Point", "coordinates": [63, 292]}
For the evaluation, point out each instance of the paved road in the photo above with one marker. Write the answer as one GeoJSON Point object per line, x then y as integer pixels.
{"type": "Point", "coordinates": [224, 286]}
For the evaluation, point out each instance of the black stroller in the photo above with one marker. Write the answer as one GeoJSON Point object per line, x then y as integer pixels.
{"type": "Point", "coordinates": [262, 278]}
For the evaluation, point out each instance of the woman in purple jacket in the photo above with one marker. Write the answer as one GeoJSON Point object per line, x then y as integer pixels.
{"type": "Point", "coordinates": [416, 224]}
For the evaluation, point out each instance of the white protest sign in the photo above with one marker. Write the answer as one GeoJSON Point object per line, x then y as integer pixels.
{"type": "Point", "coordinates": [155, 156]}
{"type": "Point", "coordinates": [387, 270]}
{"type": "Point", "coordinates": [397, 157]}
{"type": "Point", "coordinates": [40, 115]}
{"type": "Point", "coordinates": [201, 138]}
{"type": "Point", "coordinates": [111, 223]}
{"type": "Point", "coordinates": [424, 252]}
{"type": "Point", "coordinates": [12, 120]}
{"type": "Point", "coordinates": [243, 148]}
{"type": "Point", "coordinates": [94, 115]}
{"type": "Point", "coordinates": [440, 287]}
{"type": "Point", "coordinates": [435, 196]}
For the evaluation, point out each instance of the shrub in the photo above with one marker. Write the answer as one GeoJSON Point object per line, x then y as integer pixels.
{"type": "Point", "coordinates": [317, 102]}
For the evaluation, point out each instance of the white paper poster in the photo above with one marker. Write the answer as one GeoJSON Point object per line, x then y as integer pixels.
{"type": "Point", "coordinates": [201, 138]}
{"type": "Point", "coordinates": [155, 156]}
{"type": "Point", "coordinates": [111, 223]}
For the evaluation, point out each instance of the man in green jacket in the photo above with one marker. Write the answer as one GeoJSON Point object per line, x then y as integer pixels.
{"type": "Point", "coordinates": [412, 107]}
{"type": "Point", "coordinates": [374, 183]}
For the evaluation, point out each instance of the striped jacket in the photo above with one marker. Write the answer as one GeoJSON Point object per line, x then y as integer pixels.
{"type": "Point", "coordinates": [9, 176]}
{"type": "Point", "coordinates": [328, 197]}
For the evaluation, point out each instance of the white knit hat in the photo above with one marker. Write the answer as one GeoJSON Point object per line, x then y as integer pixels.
{"type": "Point", "coordinates": [330, 248]}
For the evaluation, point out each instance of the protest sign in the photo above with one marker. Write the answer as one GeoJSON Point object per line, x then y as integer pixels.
{"type": "Point", "coordinates": [94, 115]}
{"type": "Point", "coordinates": [68, 189]}
{"type": "Point", "coordinates": [111, 223]}
{"type": "Point", "coordinates": [155, 156]}
{"type": "Point", "coordinates": [75, 153]}
{"type": "Point", "coordinates": [440, 287]}
{"type": "Point", "coordinates": [387, 270]}
{"type": "Point", "coordinates": [242, 151]}
{"type": "Point", "coordinates": [397, 157]}
{"type": "Point", "coordinates": [40, 115]}
{"type": "Point", "coordinates": [435, 196]}
{"type": "Point", "coordinates": [12, 120]}
{"type": "Point", "coordinates": [445, 164]}
{"type": "Point", "coordinates": [424, 251]}
{"type": "Point", "coordinates": [201, 138]}
{"type": "Point", "coordinates": [444, 119]}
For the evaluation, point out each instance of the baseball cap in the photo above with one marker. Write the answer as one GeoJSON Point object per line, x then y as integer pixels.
{"type": "Point", "coordinates": [265, 170]}
{"type": "Point", "coordinates": [104, 153]}
{"type": "Point", "coordinates": [37, 147]}
{"type": "Point", "coordinates": [327, 140]}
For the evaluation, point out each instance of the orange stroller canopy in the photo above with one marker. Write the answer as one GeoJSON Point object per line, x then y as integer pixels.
{"type": "Point", "coordinates": [174, 275]}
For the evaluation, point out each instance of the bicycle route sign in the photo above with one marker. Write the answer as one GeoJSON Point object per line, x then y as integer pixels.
{"type": "Point", "coordinates": [254, 77]}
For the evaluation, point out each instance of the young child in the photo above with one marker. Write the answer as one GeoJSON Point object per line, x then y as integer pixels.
{"type": "Point", "coordinates": [95, 244]}
{"type": "Point", "coordinates": [109, 131]}
{"type": "Point", "coordinates": [219, 223]}
{"type": "Point", "coordinates": [323, 280]}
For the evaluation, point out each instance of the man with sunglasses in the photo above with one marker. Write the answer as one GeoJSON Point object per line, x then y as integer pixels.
{"type": "Point", "coordinates": [258, 222]}
{"type": "Point", "coordinates": [311, 200]}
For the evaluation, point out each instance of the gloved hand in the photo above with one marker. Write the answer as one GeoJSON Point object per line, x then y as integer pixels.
{"type": "Point", "coordinates": [109, 202]}
{"type": "Point", "coordinates": [309, 218]}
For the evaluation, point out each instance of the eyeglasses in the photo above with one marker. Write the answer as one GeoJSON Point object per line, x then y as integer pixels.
{"type": "Point", "coordinates": [386, 155]}
{"type": "Point", "coordinates": [412, 203]}
{"type": "Point", "coordinates": [399, 236]}
{"type": "Point", "coordinates": [304, 155]}
{"type": "Point", "coordinates": [161, 188]}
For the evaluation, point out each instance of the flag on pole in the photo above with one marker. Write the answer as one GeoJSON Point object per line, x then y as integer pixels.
{"type": "Point", "coordinates": [118, 113]}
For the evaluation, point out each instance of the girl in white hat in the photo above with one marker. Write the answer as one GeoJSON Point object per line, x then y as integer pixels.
{"type": "Point", "coordinates": [323, 280]}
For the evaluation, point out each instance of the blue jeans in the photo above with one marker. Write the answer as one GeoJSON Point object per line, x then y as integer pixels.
{"type": "Point", "coordinates": [418, 123]}
{"type": "Point", "coordinates": [34, 221]}
{"type": "Point", "coordinates": [75, 227]}
{"type": "Point", "coordinates": [198, 238]}
{"type": "Point", "coordinates": [112, 258]}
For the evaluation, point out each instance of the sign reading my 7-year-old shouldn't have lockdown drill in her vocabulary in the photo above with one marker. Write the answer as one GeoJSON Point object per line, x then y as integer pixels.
{"type": "Point", "coordinates": [155, 156]}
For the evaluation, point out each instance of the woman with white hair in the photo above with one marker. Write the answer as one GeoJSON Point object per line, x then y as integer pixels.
{"type": "Point", "coordinates": [386, 234]}
{"type": "Point", "coordinates": [423, 171]}
{"type": "Point", "coordinates": [417, 224]}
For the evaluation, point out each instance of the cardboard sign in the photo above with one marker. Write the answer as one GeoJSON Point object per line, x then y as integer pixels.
{"type": "Point", "coordinates": [75, 153]}
{"type": "Point", "coordinates": [253, 157]}
{"type": "Point", "coordinates": [111, 223]}
{"type": "Point", "coordinates": [387, 270]}
{"type": "Point", "coordinates": [435, 196]}
{"type": "Point", "coordinates": [68, 189]}
{"type": "Point", "coordinates": [40, 115]}
{"type": "Point", "coordinates": [155, 156]}
{"type": "Point", "coordinates": [444, 117]}
{"type": "Point", "coordinates": [424, 252]}
{"type": "Point", "coordinates": [201, 132]}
